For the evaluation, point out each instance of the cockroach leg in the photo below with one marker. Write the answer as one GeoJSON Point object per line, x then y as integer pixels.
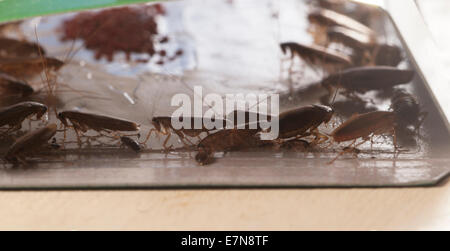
{"type": "Point", "coordinates": [165, 143]}
{"type": "Point", "coordinates": [319, 137]}
{"type": "Point", "coordinates": [149, 134]}
{"type": "Point", "coordinates": [346, 150]}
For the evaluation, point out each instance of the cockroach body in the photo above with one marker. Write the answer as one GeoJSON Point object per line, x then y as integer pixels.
{"type": "Point", "coordinates": [364, 126]}
{"type": "Point", "coordinates": [14, 115]}
{"type": "Point", "coordinates": [11, 86]}
{"type": "Point", "coordinates": [302, 122]}
{"type": "Point", "coordinates": [84, 122]}
{"type": "Point", "coordinates": [363, 79]}
{"type": "Point", "coordinates": [226, 140]}
{"type": "Point", "coordinates": [314, 54]}
{"type": "Point", "coordinates": [13, 48]}
{"type": "Point", "coordinates": [29, 143]}
{"type": "Point", "coordinates": [329, 18]}
{"type": "Point", "coordinates": [131, 143]}
{"type": "Point", "coordinates": [407, 110]}
{"type": "Point", "coordinates": [28, 67]}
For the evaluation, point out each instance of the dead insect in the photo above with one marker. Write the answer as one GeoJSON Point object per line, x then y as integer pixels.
{"type": "Point", "coordinates": [131, 143]}
{"type": "Point", "coordinates": [12, 48]}
{"type": "Point", "coordinates": [13, 116]}
{"type": "Point", "coordinates": [297, 145]}
{"type": "Point", "coordinates": [315, 55]}
{"type": "Point", "coordinates": [10, 86]}
{"type": "Point", "coordinates": [225, 140]}
{"type": "Point", "coordinates": [29, 143]}
{"type": "Point", "coordinates": [364, 126]}
{"type": "Point", "coordinates": [83, 122]}
{"type": "Point", "coordinates": [407, 110]}
{"type": "Point", "coordinates": [163, 125]}
{"type": "Point", "coordinates": [28, 67]}
{"type": "Point", "coordinates": [363, 79]}
{"type": "Point", "coordinates": [329, 18]}
{"type": "Point", "coordinates": [304, 121]}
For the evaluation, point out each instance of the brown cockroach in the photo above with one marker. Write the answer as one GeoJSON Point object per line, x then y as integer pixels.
{"type": "Point", "coordinates": [304, 121]}
{"type": "Point", "coordinates": [29, 143]}
{"type": "Point", "coordinates": [13, 116]}
{"type": "Point", "coordinates": [314, 54]}
{"type": "Point", "coordinates": [12, 48]}
{"type": "Point", "coordinates": [226, 140]}
{"type": "Point", "coordinates": [363, 79]}
{"type": "Point", "coordinates": [300, 122]}
{"type": "Point", "coordinates": [327, 18]}
{"type": "Point", "coordinates": [28, 67]}
{"type": "Point", "coordinates": [364, 126]}
{"type": "Point", "coordinates": [351, 38]}
{"type": "Point", "coordinates": [84, 122]}
{"type": "Point", "coordinates": [131, 143]}
{"type": "Point", "coordinates": [407, 110]}
{"type": "Point", "coordinates": [163, 125]}
{"type": "Point", "coordinates": [10, 86]}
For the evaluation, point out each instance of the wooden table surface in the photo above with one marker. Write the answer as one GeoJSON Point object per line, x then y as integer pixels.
{"type": "Point", "coordinates": [254, 209]}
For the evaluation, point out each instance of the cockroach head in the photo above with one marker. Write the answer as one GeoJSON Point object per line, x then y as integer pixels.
{"type": "Point", "coordinates": [27, 91]}
{"type": "Point", "coordinates": [41, 111]}
{"type": "Point", "coordinates": [62, 118]}
{"type": "Point", "coordinates": [328, 112]}
{"type": "Point", "coordinates": [284, 47]}
{"type": "Point", "coordinates": [203, 158]}
{"type": "Point", "coordinates": [54, 63]}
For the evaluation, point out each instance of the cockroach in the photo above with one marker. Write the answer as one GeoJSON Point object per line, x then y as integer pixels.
{"type": "Point", "coordinates": [131, 143]}
{"type": "Point", "coordinates": [163, 125]}
{"type": "Point", "coordinates": [298, 123]}
{"type": "Point", "coordinates": [314, 54]}
{"type": "Point", "coordinates": [226, 140]}
{"type": "Point", "coordinates": [364, 126]}
{"type": "Point", "coordinates": [83, 122]}
{"type": "Point", "coordinates": [11, 86]}
{"type": "Point", "coordinates": [351, 38]}
{"type": "Point", "coordinates": [304, 121]}
{"type": "Point", "coordinates": [13, 116]}
{"type": "Point", "coordinates": [12, 48]}
{"type": "Point", "coordinates": [327, 18]}
{"type": "Point", "coordinates": [363, 79]}
{"type": "Point", "coordinates": [29, 143]}
{"type": "Point", "coordinates": [28, 67]}
{"type": "Point", "coordinates": [407, 110]}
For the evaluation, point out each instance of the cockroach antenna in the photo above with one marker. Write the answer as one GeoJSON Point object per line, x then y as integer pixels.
{"type": "Point", "coordinates": [334, 97]}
